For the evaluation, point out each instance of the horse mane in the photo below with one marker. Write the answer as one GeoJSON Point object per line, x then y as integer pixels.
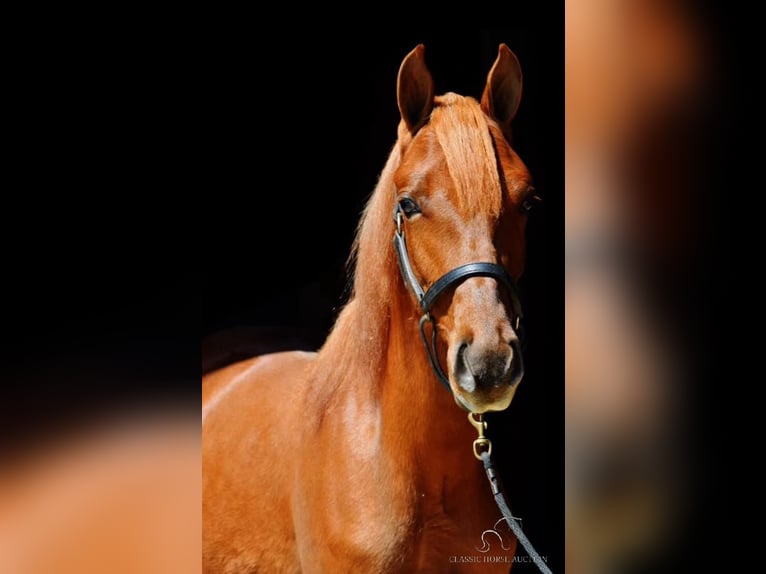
{"type": "Point", "coordinates": [461, 130]}
{"type": "Point", "coordinates": [357, 344]}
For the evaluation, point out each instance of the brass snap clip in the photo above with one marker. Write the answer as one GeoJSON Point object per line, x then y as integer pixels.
{"type": "Point", "coordinates": [482, 443]}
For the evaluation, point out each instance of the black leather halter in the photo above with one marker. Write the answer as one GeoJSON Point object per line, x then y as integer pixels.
{"type": "Point", "coordinates": [427, 298]}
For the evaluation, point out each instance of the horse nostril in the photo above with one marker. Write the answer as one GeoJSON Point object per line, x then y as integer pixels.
{"type": "Point", "coordinates": [463, 371]}
{"type": "Point", "coordinates": [517, 363]}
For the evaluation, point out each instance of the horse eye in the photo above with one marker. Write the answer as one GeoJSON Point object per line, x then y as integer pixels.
{"type": "Point", "coordinates": [408, 206]}
{"type": "Point", "coordinates": [529, 202]}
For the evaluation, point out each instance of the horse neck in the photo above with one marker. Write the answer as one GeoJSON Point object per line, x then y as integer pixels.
{"type": "Point", "coordinates": [379, 360]}
{"type": "Point", "coordinates": [423, 426]}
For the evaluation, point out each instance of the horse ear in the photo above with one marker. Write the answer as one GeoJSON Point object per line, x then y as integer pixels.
{"type": "Point", "coordinates": [415, 89]}
{"type": "Point", "coordinates": [502, 93]}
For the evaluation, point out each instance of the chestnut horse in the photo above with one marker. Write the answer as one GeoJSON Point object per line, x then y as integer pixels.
{"type": "Point", "coordinates": [355, 458]}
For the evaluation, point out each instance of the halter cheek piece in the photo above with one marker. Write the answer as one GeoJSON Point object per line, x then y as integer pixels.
{"type": "Point", "coordinates": [427, 298]}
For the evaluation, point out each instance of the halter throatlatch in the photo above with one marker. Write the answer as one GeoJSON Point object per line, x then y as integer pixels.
{"type": "Point", "coordinates": [427, 298]}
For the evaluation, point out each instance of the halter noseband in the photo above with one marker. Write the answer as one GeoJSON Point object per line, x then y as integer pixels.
{"type": "Point", "coordinates": [427, 298]}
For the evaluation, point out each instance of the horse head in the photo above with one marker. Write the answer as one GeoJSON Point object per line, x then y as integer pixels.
{"type": "Point", "coordinates": [461, 198]}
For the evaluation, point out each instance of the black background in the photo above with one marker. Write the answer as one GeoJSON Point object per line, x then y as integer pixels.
{"type": "Point", "coordinates": [305, 132]}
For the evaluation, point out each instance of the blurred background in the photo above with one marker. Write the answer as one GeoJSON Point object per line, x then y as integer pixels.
{"type": "Point", "coordinates": [99, 345]}
{"type": "Point", "coordinates": [647, 127]}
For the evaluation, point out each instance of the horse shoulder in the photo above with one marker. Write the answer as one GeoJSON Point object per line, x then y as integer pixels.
{"type": "Point", "coordinates": [248, 409]}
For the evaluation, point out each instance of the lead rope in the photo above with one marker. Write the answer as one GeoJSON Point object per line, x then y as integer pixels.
{"type": "Point", "coordinates": [482, 450]}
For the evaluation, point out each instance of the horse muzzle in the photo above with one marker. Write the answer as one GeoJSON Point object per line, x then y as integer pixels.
{"type": "Point", "coordinates": [485, 376]}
